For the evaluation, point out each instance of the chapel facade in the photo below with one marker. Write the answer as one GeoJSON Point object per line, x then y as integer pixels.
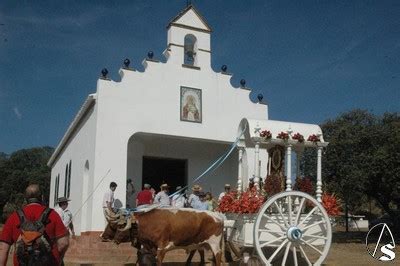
{"type": "Point", "coordinates": [168, 124]}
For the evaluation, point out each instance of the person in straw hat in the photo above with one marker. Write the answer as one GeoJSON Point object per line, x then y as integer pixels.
{"type": "Point", "coordinates": [162, 196]}
{"type": "Point", "coordinates": [194, 199]}
{"type": "Point", "coordinates": [227, 190]}
{"type": "Point", "coordinates": [65, 214]}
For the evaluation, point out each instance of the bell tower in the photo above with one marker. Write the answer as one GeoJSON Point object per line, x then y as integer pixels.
{"type": "Point", "coordinates": [189, 40]}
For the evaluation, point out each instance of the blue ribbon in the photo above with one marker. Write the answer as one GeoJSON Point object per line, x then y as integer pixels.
{"type": "Point", "coordinates": [215, 165]}
{"type": "Point", "coordinates": [212, 168]}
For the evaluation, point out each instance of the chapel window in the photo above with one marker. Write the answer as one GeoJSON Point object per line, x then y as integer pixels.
{"type": "Point", "coordinates": [69, 179]}
{"type": "Point", "coordinates": [57, 185]}
{"type": "Point", "coordinates": [66, 180]}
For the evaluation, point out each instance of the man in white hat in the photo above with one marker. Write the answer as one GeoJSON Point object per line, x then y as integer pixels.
{"type": "Point", "coordinates": [65, 214]}
{"type": "Point", "coordinates": [162, 196]}
{"type": "Point", "coordinates": [227, 190]}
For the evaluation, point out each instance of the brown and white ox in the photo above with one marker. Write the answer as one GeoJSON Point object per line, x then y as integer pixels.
{"type": "Point", "coordinates": [164, 229]}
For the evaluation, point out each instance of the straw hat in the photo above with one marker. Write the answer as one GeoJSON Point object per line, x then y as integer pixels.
{"type": "Point", "coordinates": [62, 199]}
{"type": "Point", "coordinates": [196, 188]}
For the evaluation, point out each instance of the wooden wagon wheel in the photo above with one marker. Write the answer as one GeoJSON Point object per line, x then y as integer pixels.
{"type": "Point", "coordinates": [292, 228]}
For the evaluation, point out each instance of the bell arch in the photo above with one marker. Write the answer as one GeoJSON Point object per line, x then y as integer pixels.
{"type": "Point", "coordinates": [190, 50]}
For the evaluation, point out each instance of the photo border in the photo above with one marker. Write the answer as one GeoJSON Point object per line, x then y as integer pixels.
{"type": "Point", "coordinates": [184, 88]}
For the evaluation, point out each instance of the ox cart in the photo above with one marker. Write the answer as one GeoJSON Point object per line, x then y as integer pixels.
{"type": "Point", "coordinates": [291, 228]}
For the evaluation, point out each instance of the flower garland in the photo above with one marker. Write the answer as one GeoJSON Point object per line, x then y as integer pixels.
{"type": "Point", "coordinates": [266, 134]}
{"type": "Point", "coordinates": [298, 137]}
{"type": "Point", "coordinates": [314, 138]}
{"type": "Point", "coordinates": [249, 201]}
{"type": "Point", "coordinates": [283, 135]}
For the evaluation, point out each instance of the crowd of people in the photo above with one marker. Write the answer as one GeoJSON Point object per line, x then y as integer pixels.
{"type": "Point", "coordinates": [52, 228]}
{"type": "Point", "coordinates": [198, 199]}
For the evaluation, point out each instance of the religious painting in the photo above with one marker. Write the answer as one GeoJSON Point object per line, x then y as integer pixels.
{"type": "Point", "coordinates": [191, 105]}
{"type": "Point", "coordinates": [276, 159]}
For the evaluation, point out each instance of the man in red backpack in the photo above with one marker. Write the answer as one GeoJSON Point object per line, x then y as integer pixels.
{"type": "Point", "coordinates": [54, 235]}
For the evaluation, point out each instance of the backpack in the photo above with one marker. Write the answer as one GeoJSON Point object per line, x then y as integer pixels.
{"type": "Point", "coordinates": [33, 247]}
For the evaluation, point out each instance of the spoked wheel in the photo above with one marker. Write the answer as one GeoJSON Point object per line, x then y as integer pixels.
{"type": "Point", "coordinates": [292, 228]}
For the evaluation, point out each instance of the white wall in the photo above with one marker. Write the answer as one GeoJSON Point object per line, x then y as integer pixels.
{"type": "Point", "coordinates": [249, 164]}
{"type": "Point", "coordinates": [79, 149]}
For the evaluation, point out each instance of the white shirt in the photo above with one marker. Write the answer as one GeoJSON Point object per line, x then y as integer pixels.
{"type": "Point", "coordinates": [108, 197]}
{"type": "Point", "coordinates": [221, 196]}
{"type": "Point", "coordinates": [178, 201]}
{"type": "Point", "coordinates": [162, 198]}
{"type": "Point", "coordinates": [193, 200]}
{"type": "Point", "coordinates": [66, 216]}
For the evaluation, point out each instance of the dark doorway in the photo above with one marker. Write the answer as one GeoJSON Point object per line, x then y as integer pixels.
{"type": "Point", "coordinates": [157, 171]}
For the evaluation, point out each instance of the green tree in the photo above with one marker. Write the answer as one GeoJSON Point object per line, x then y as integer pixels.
{"type": "Point", "coordinates": [345, 157]}
{"type": "Point", "coordinates": [22, 168]}
{"type": "Point", "coordinates": [382, 164]}
{"type": "Point", "coordinates": [362, 158]}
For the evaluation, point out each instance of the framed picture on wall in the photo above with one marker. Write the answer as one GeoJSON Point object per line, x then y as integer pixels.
{"type": "Point", "coordinates": [191, 105]}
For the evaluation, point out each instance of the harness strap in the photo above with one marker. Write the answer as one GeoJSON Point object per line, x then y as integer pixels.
{"type": "Point", "coordinates": [45, 215]}
{"type": "Point", "coordinates": [21, 216]}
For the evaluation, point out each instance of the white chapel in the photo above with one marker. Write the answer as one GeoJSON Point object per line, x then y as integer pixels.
{"type": "Point", "coordinates": [167, 124]}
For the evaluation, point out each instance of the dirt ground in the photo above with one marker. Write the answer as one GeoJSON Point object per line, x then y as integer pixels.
{"type": "Point", "coordinates": [350, 249]}
{"type": "Point", "coordinates": [346, 249]}
{"type": "Point", "coordinates": [342, 253]}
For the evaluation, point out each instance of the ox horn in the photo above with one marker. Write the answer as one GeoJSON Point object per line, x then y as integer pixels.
{"type": "Point", "coordinates": [128, 225]}
{"type": "Point", "coordinates": [112, 217]}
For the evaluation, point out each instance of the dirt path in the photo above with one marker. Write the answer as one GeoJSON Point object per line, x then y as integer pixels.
{"type": "Point", "coordinates": [340, 254]}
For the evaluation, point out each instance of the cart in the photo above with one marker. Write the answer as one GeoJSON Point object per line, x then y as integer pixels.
{"type": "Point", "coordinates": [292, 227]}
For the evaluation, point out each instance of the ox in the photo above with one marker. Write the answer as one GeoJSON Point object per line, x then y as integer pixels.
{"type": "Point", "coordinates": [165, 229]}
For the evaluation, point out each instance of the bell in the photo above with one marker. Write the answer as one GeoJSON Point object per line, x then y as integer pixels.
{"type": "Point", "coordinates": [190, 55]}
{"type": "Point", "coordinates": [189, 51]}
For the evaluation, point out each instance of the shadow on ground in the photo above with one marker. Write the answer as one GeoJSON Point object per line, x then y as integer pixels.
{"type": "Point", "coordinates": [349, 237]}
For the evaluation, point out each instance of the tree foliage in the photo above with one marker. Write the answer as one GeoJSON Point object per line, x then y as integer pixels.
{"type": "Point", "coordinates": [20, 169]}
{"type": "Point", "coordinates": [363, 158]}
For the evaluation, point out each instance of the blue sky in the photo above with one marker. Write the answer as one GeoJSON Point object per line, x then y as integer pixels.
{"type": "Point", "coordinates": [312, 60]}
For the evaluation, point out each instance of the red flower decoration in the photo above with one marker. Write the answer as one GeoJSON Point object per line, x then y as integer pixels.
{"type": "Point", "coordinates": [249, 201]}
{"type": "Point", "coordinates": [331, 204]}
{"type": "Point", "coordinates": [314, 138]}
{"type": "Point", "coordinates": [304, 185]}
{"type": "Point", "coordinates": [283, 135]}
{"type": "Point", "coordinates": [266, 134]}
{"type": "Point", "coordinates": [273, 185]}
{"type": "Point", "coordinates": [298, 137]}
